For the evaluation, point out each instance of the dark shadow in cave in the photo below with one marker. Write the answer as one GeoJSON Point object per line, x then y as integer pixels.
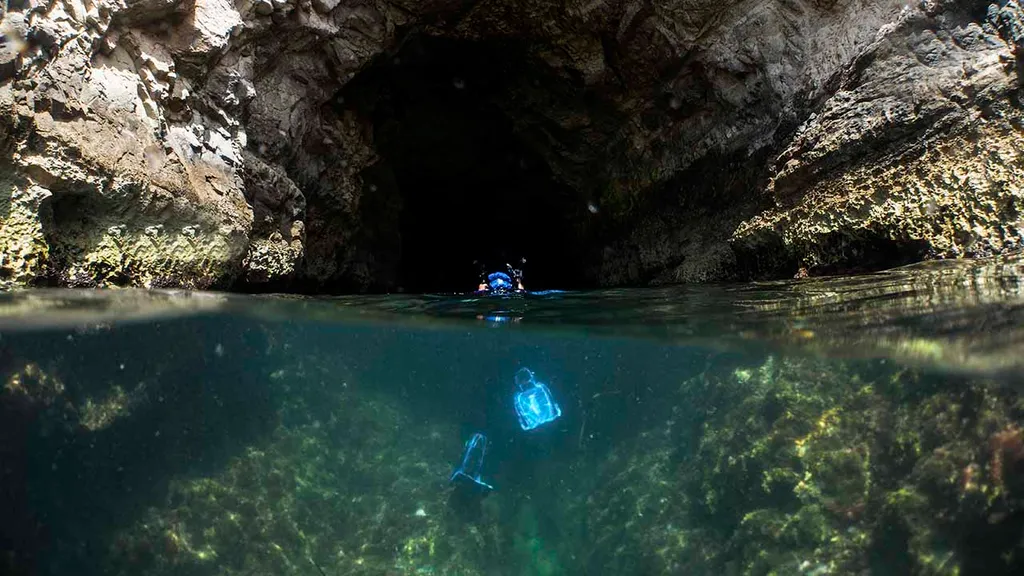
{"type": "Point", "coordinates": [471, 190]}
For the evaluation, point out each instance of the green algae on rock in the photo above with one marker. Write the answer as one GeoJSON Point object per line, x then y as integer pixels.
{"type": "Point", "coordinates": [795, 467]}
{"type": "Point", "coordinates": [290, 441]}
{"type": "Point", "coordinates": [780, 466]}
{"type": "Point", "coordinates": [340, 490]}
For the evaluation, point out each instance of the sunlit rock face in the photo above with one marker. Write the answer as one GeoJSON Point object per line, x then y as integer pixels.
{"type": "Point", "coordinates": [333, 145]}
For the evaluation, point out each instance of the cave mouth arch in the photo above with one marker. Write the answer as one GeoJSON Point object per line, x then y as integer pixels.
{"type": "Point", "coordinates": [473, 191]}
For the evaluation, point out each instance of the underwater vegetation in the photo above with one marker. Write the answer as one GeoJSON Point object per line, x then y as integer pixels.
{"type": "Point", "coordinates": [743, 465]}
{"type": "Point", "coordinates": [785, 468]}
{"type": "Point", "coordinates": [802, 467]}
{"type": "Point", "coordinates": [348, 483]}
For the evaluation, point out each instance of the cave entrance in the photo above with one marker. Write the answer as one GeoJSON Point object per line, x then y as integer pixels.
{"type": "Point", "coordinates": [471, 188]}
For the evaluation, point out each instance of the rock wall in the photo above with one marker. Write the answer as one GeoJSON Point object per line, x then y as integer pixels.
{"type": "Point", "coordinates": [917, 149]}
{"type": "Point", "coordinates": [207, 143]}
{"type": "Point", "coordinates": [907, 147]}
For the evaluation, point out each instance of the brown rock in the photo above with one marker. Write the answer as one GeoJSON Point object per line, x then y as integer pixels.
{"type": "Point", "coordinates": [697, 140]}
{"type": "Point", "coordinates": [325, 6]}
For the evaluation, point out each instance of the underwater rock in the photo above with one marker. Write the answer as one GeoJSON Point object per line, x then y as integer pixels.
{"type": "Point", "coordinates": [33, 393]}
{"type": "Point", "coordinates": [299, 501]}
{"type": "Point", "coordinates": [784, 466]}
{"type": "Point", "coordinates": [700, 141]}
{"type": "Point", "coordinates": [791, 467]}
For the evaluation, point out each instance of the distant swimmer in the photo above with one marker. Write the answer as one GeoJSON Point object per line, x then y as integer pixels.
{"type": "Point", "coordinates": [501, 282]}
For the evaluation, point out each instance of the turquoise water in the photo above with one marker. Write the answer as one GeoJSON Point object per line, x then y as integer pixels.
{"type": "Point", "coordinates": [867, 425]}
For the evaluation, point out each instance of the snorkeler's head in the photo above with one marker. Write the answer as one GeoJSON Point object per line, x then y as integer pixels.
{"type": "Point", "coordinates": [499, 281]}
{"type": "Point", "coordinates": [509, 281]}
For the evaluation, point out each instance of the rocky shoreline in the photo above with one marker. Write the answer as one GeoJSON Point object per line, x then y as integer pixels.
{"type": "Point", "coordinates": [251, 145]}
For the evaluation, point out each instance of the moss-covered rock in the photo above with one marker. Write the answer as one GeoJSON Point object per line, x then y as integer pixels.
{"type": "Point", "coordinates": [772, 466]}
{"type": "Point", "coordinates": [801, 466]}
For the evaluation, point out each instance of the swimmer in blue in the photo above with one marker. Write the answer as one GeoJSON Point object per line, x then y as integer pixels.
{"type": "Point", "coordinates": [501, 282]}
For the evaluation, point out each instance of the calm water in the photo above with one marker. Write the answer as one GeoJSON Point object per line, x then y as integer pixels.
{"type": "Point", "coordinates": [868, 425]}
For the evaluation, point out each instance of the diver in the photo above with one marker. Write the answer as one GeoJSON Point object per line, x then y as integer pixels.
{"type": "Point", "coordinates": [535, 407]}
{"type": "Point", "coordinates": [501, 282]}
{"type": "Point", "coordinates": [470, 489]}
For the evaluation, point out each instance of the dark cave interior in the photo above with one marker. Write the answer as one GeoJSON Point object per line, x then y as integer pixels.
{"type": "Point", "coordinates": [473, 193]}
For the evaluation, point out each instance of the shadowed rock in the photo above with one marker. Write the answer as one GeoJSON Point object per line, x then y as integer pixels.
{"type": "Point", "coordinates": [684, 140]}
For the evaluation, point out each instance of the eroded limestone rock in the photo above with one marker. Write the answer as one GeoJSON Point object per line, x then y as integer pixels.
{"type": "Point", "coordinates": [206, 143]}
{"type": "Point", "coordinates": [129, 200]}
{"type": "Point", "coordinates": [926, 154]}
